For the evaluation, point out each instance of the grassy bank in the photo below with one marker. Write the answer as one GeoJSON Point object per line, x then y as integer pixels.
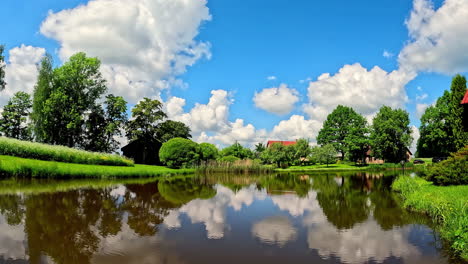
{"type": "Point", "coordinates": [237, 167]}
{"type": "Point", "coordinates": [447, 205]}
{"type": "Point", "coordinates": [31, 150]}
{"type": "Point", "coordinates": [345, 167]}
{"type": "Point", "coordinates": [21, 167]}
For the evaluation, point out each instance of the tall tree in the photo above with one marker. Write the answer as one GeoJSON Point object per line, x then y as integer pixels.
{"type": "Point", "coordinates": [42, 92]}
{"type": "Point", "coordinates": [2, 69]}
{"type": "Point", "coordinates": [237, 150]}
{"type": "Point", "coordinates": [344, 128]}
{"type": "Point", "coordinates": [171, 129]}
{"type": "Point", "coordinates": [13, 122]}
{"type": "Point", "coordinates": [326, 154]}
{"type": "Point", "coordinates": [146, 117]}
{"type": "Point", "coordinates": [391, 134]}
{"type": "Point", "coordinates": [435, 129]}
{"type": "Point", "coordinates": [300, 150]}
{"type": "Point", "coordinates": [456, 110]}
{"type": "Point", "coordinates": [259, 149]}
{"type": "Point", "coordinates": [102, 126]}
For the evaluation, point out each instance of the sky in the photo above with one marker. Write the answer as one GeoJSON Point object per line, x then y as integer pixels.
{"type": "Point", "coordinates": [249, 71]}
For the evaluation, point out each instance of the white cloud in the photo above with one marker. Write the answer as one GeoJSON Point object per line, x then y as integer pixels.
{"type": "Point", "coordinates": [420, 108]}
{"type": "Point", "coordinates": [387, 54]}
{"type": "Point", "coordinates": [21, 71]}
{"type": "Point", "coordinates": [280, 100]}
{"type": "Point", "coordinates": [355, 86]}
{"type": "Point", "coordinates": [421, 97]}
{"type": "Point", "coordinates": [438, 38]}
{"type": "Point", "coordinates": [271, 78]}
{"type": "Point", "coordinates": [296, 127]}
{"type": "Point", "coordinates": [143, 45]}
{"type": "Point", "coordinates": [415, 134]}
{"type": "Point", "coordinates": [275, 230]}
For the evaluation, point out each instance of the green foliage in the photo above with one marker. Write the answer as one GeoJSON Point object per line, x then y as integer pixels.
{"type": "Point", "coordinates": [233, 165]}
{"type": "Point", "coordinates": [171, 129]}
{"type": "Point", "coordinates": [447, 205]}
{"type": "Point", "coordinates": [27, 168]}
{"type": "Point", "coordinates": [147, 115]}
{"type": "Point", "coordinates": [102, 126]}
{"type": "Point", "coordinates": [347, 131]}
{"type": "Point", "coordinates": [325, 154]}
{"type": "Point", "coordinates": [229, 159]}
{"type": "Point", "coordinates": [455, 119]}
{"type": "Point", "coordinates": [391, 134]}
{"type": "Point", "coordinates": [65, 98]}
{"type": "Point", "coordinates": [277, 154]}
{"type": "Point", "coordinates": [2, 69]}
{"type": "Point", "coordinates": [237, 150]}
{"type": "Point", "coordinates": [300, 151]}
{"type": "Point", "coordinates": [259, 148]}
{"type": "Point", "coordinates": [453, 171]}
{"type": "Point", "coordinates": [13, 122]}
{"type": "Point", "coordinates": [40, 151]}
{"type": "Point", "coordinates": [179, 152]}
{"type": "Point", "coordinates": [208, 151]}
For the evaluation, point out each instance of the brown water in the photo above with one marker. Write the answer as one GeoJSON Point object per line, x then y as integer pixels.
{"type": "Point", "coordinates": [324, 218]}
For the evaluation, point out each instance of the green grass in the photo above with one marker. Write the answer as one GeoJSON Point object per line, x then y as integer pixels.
{"type": "Point", "coordinates": [21, 167]}
{"type": "Point", "coordinates": [426, 160]}
{"type": "Point", "coordinates": [347, 166]}
{"type": "Point", "coordinates": [31, 150]}
{"type": "Point", "coordinates": [448, 205]}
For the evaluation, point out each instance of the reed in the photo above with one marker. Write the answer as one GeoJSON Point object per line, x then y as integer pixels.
{"type": "Point", "coordinates": [238, 167]}
{"type": "Point", "coordinates": [38, 151]}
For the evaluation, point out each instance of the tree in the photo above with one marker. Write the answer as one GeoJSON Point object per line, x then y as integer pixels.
{"type": "Point", "coordinates": [276, 154]}
{"type": "Point", "coordinates": [13, 122]}
{"type": "Point", "coordinates": [435, 129]}
{"type": "Point", "coordinates": [344, 129]}
{"type": "Point", "coordinates": [75, 87]}
{"type": "Point", "coordinates": [456, 113]}
{"type": "Point", "coordinates": [259, 149]}
{"type": "Point", "coordinates": [237, 150]}
{"type": "Point", "coordinates": [42, 92]}
{"type": "Point", "coordinates": [103, 126]}
{"type": "Point", "coordinates": [179, 152]}
{"type": "Point", "coordinates": [171, 129]}
{"type": "Point", "coordinates": [300, 150]}
{"type": "Point", "coordinates": [326, 154]}
{"type": "Point", "coordinates": [208, 151]}
{"type": "Point", "coordinates": [2, 69]}
{"type": "Point", "coordinates": [147, 115]}
{"type": "Point", "coordinates": [391, 134]}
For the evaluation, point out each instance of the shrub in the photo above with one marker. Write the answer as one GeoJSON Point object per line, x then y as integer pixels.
{"type": "Point", "coordinates": [179, 152]}
{"type": "Point", "coordinates": [229, 159]}
{"type": "Point", "coordinates": [453, 171]}
{"type": "Point", "coordinates": [208, 151]}
{"type": "Point", "coordinates": [38, 151]}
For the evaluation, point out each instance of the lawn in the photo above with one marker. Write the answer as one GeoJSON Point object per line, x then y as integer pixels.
{"type": "Point", "coordinates": [317, 167]}
{"type": "Point", "coordinates": [448, 205]}
{"type": "Point", "coordinates": [21, 167]}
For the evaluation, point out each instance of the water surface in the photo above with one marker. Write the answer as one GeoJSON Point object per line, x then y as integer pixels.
{"type": "Point", "coordinates": [322, 218]}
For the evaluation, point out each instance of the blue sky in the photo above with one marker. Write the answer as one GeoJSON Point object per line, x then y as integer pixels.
{"type": "Point", "coordinates": [234, 46]}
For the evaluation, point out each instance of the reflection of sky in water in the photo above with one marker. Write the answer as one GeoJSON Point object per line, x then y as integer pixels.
{"type": "Point", "coordinates": [247, 226]}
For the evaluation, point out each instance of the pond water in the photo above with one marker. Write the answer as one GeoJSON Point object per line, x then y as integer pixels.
{"type": "Point", "coordinates": [295, 218]}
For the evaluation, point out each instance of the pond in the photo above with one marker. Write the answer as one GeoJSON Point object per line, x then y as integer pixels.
{"type": "Point", "coordinates": [295, 218]}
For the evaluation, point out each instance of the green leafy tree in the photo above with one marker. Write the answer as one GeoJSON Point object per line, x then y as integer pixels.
{"type": "Point", "coordinates": [276, 154]}
{"type": "Point", "coordinates": [344, 129]}
{"type": "Point", "coordinates": [455, 119]}
{"type": "Point", "coordinates": [146, 117]}
{"type": "Point", "coordinates": [326, 154]}
{"type": "Point", "coordinates": [171, 129]}
{"type": "Point", "coordinates": [435, 129]}
{"type": "Point", "coordinates": [237, 150]}
{"type": "Point", "coordinates": [208, 151]}
{"type": "Point", "coordinates": [391, 134]}
{"type": "Point", "coordinates": [2, 69]}
{"type": "Point", "coordinates": [13, 122]}
{"type": "Point", "coordinates": [300, 151]}
{"type": "Point", "coordinates": [179, 152]}
{"type": "Point", "coordinates": [42, 92]}
{"type": "Point", "coordinates": [103, 126]}
{"type": "Point", "coordinates": [259, 148]}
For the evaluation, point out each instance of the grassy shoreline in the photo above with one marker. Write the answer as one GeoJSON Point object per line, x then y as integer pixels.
{"type": "Point", "coordinates": [24, 168]}
{"type": "Point", "coordinates": [447, 205]}
{"type": "Point", "coordinates": [344, 167]}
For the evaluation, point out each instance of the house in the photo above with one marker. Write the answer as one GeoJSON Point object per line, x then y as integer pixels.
{"type": "Point", "coordinates": [284, 143]}
{"type": "Point", "coordinates": [143, 151]}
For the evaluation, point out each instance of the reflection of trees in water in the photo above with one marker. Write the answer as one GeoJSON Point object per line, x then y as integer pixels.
{"type": "Point", "coordinates": [68, 226]}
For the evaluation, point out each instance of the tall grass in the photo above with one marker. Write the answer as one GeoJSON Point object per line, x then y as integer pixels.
{"type": "Point", "coordinates": [239, 167]}
{"type": "Point", "coordinates": [31, 150]}
{"type": "Point", "coordinates": [30, 168]}
{"type": "Point", "coordinates": [446, 205]}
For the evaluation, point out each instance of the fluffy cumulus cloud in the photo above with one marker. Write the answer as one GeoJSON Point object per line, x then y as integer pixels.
{"type": "Point", "coordinates": [275, 230]}
{"type": "Point", "coordinates": [420, 108]}
{"type": "Point", "coordinates": [296, 127]}
{"type": "Point", "coordinates": [438, 37]}
{"type": "Point", "coordinates": [415, 134]}
{"type": "Point", "coordinates": [278, 100]}
{"type": "Point", "coordinates": [143, 44]}
{"type": "Point", "coordinates": [21, 71]}
{"type": "Point", "coordinates": [364, 90]}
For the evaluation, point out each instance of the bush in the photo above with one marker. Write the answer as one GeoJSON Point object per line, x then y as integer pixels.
{"type": "Point", "coordinates": [179, 152]}
{"type": "Point", "coordinates": [229, 159]}
{"type": "Point", "coordinates": [208, 151]}
{"type": "Point", "coordinates": [31, 150]}
{"type": "Point", "coordinates": [453, 171]}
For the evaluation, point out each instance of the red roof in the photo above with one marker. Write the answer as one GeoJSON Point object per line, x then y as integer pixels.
{"type": "Point", "coordinates": [284, 143]}
{"type": "Point", "coordinates": [465, 99]}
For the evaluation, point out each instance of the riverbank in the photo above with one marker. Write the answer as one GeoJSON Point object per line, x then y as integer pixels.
{"type": "Point", "coordinates": [344, 167]}
{"type": "Point", "coordinates": [447, 205]}
{"type": "Point", "coordinates": [22, 167]}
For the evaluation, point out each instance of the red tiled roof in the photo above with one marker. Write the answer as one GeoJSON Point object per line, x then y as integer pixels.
{"type": "Point", "coordinates": [284, 143]}
{"type": "Point", "coordinates": [465, 99]}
